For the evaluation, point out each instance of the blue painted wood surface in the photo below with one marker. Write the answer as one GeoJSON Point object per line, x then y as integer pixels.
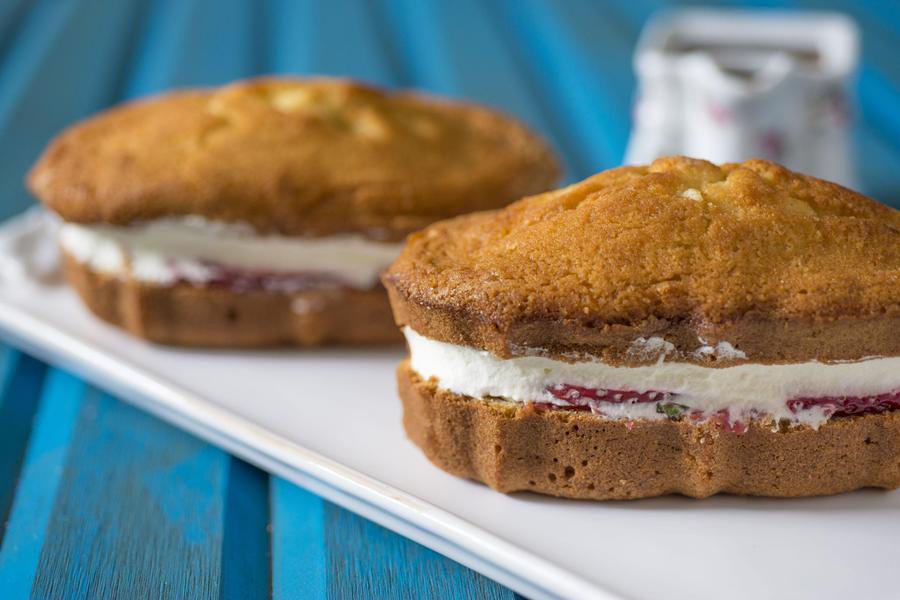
{"type": "Point", "coordinates": [100, 500]}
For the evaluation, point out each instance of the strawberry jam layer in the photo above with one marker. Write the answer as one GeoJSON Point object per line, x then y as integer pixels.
{"type": "Point", "coordinates": [212, 275]}
{"type": "Point", "coordinates": [614, 403]}
{"type": "Point", "coordinates": [846, 406]}
{"type": "Point", "coordinates": [582, 396]}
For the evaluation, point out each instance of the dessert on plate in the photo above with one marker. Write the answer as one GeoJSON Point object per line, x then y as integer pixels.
{"type": "Point", "coordinates": [679, 328]}
{"type": "Point", "coordinates": [262, 212]}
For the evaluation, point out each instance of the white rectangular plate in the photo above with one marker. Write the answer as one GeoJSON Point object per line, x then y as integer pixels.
{"type": "Point", "coordinates": [329, 420]}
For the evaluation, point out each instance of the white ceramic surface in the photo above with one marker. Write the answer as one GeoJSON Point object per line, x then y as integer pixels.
{"type": "Point", "coordinates": [330, 421]}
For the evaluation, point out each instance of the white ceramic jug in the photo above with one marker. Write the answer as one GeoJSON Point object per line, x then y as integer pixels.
{"type": "Point", "coordinates": [731, 85]}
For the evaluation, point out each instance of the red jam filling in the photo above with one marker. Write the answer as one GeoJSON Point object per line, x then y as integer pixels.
{"type": "Point", "coordinates": [724, 421]}
{"type": "Point", "coordinates": [845, 406]}
{"type": "Point", "coordinates": [573, 397]}
{"type": "Point", "coordinates": [576, 395]}
{"type": "Point", "coordinates": [255, 280]}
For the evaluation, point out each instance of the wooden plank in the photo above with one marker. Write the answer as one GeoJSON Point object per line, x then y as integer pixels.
{"type": "Point", "coordinates": [245, 544]}
{"type": "Point", "coordinates": [298, 542]}
{"type": "Point", "coordinates": [458, 49]}
{"type": "Point", "coordinates": [139, 510]}
{"type": "Point", "coordinates": [588, 87]}
{"type": "Point", "coordinates": [41, 474]}
{"type": "Point", "coordinates": [197, 43]}
{"type": "Point", "coordinates": [365, 560]}
{"type": "Point", "coordinates": [327, 38]}
{"type": "Point", "coordinates": [12, 13]}
{"type": "Point", "coordinates": [59, 68]}
{"type": "Point", "coordinates": [23, 378]}
{"type": "Point", "coordinates": [320, 550]}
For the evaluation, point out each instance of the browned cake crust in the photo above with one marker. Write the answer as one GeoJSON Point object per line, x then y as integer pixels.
{"type": "Point", "coordinates": [310, 157]}
{"type": "Point", "coordinates": [785, 267]}
{"type": "Point", "coordinates": [513, 447]}
{"type": "Point", "coordinates": [193, 316]}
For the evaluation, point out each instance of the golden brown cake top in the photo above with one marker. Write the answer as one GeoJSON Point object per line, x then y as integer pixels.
{"type": "Point", "coordinates": [298, 156]}
{"type": "Point", "coordinates": [681, 245]}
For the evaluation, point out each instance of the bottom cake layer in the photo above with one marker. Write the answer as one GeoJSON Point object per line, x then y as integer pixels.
{"type": "Point", "coordinates": [184, 314]}
{"type": "Point", "coordinates": [513, 447]}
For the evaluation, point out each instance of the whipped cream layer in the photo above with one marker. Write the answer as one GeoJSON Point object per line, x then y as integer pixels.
{"type": "Point", "coordinates": [194, 249]}
{"type": "Point", "coordinates": [738, 393]}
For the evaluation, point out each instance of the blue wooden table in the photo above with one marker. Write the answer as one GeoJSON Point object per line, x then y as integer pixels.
{"type": "Point", "coordinates": [100, 500]}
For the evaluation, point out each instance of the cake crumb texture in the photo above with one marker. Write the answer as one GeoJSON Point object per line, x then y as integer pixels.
{"type": "Point", "coordinates": [311, 157]}
{"type": "Point", "coordinates": [751, 254]}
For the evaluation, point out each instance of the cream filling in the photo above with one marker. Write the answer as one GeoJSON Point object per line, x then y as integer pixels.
{"type": "Point", "coordinates": [165, 250]}
{"type": "Point", "coordinates": [743, 390]}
